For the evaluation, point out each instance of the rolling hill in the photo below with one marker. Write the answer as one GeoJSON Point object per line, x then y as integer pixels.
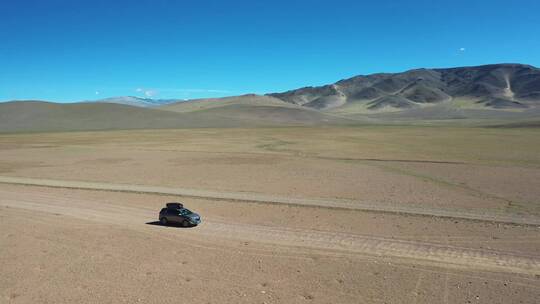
{"type": "Point", "coordinates": [39, 116]}
{"type": "Point", "coordinates": [20, 116]}
{"type": "Point", "coordinates": [208, 103]}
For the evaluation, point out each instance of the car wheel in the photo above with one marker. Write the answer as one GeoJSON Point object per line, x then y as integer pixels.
{"type": "Point", "coordinates": [185, 223]}
{"type": "Point", "coordinates": [163, 221]}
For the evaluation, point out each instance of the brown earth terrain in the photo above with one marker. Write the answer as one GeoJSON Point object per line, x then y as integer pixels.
{"type": "Point", "coordinates": [373, 214]}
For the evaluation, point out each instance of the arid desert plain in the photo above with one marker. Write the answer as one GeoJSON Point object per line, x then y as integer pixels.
{"type": "Point", "coordinates": [354, 214]}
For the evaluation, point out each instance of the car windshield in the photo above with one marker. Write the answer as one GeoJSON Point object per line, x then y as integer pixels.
{"type": "Point", "coordinates": [184, 211]}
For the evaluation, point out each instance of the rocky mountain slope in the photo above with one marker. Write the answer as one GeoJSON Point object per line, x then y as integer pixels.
{"type": "Point", "coordinates": [497, 86]}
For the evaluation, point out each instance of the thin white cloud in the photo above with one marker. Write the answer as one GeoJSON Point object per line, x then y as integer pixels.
{"type": "Point", "coordinates": [187, 90]}
{"type": "Point", "coordinates": [147, 92]}
{"type": "Point", "coordinates": [97, 92]}
{"type": "Point", "coordinates": [462, 49]}
{"type": "Point", "coordinates": [150, 93]}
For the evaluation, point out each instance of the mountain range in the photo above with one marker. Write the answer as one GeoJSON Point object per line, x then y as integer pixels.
{"type": "Point", "coordinates": [488, 92]}
{"type": "Point", "coordinates": [497, 86]}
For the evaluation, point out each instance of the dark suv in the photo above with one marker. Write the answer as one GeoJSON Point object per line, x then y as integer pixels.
{"type": "Point", "coordinates": [175, 213]}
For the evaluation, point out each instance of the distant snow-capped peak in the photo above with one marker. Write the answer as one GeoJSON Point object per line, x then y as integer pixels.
{"type": "Point", "coordinates": [137, 101]}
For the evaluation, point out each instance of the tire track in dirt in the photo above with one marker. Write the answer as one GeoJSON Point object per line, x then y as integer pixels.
{"type": "Point", "coordinates": [469, 214]}
{"type": "Point", "coordinates": [134, 218]}
{"type": "Point", "coordinates": [446, 254]}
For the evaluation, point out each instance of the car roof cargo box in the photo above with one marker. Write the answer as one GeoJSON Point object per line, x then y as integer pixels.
{"type": "Point", "coordinates": [175, 205]}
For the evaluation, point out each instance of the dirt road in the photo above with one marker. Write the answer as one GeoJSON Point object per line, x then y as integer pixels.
{"type": "Point", "coordinates": [472, 214]}
{"type": "Point", "coordinates": [61, 245]}
{"type": "Point", "coordinates": [335, 241]}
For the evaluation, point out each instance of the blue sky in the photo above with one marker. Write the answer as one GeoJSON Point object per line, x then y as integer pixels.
{"type": "Point", "coordinates": [74, 50]}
